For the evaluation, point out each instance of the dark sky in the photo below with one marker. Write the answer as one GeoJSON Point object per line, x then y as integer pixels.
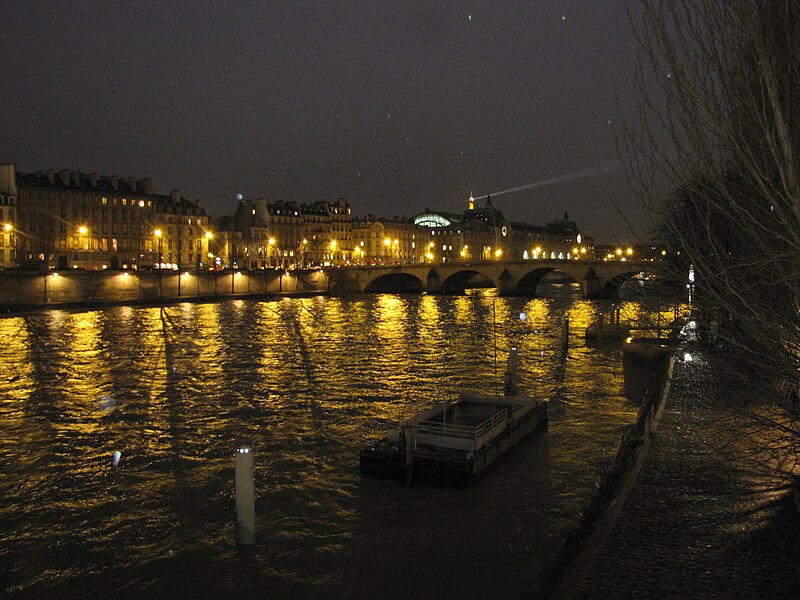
{"type": "Point", "coordinates": [396, 106]}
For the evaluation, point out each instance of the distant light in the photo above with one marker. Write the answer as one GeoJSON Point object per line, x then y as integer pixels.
{"type": "Point", "coordinates": [239, 196]}
{"type": "Point", "coordinates": [522, 316]}
{"type": "Point", "coordinates": [687, 358]}
{"type": "Point", "coordinates": [115, 458]}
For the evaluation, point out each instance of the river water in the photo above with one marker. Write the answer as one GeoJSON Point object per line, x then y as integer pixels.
{"type": "Point", "coordinates": [310, 381]}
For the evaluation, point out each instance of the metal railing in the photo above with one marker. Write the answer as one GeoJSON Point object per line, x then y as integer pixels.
{"type": "Point", "coordinates": [469, 437]}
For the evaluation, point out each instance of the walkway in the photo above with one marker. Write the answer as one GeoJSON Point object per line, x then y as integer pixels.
{"type": "Point", "coordinates": [705, 518]}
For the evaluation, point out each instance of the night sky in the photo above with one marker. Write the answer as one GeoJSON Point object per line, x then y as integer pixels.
{"type": "Point", "coordinates": [395, 106]}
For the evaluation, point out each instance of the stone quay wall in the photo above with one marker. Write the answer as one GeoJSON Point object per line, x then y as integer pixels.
{"type": "Point", "coordinates": [26, 289]}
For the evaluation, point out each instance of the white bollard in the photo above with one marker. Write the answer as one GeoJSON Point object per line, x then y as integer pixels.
{"type": "Point", "coordinates": [245, 495]}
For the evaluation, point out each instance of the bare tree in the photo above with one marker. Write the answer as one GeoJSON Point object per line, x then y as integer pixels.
{"type": "Point", "coordinates": [716, 157]}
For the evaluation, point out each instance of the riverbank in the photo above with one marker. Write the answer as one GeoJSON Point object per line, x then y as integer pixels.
{"type": "Point", "coordinates": [708, 514]}
{"type": "Point", "coordinates": [78, 289]}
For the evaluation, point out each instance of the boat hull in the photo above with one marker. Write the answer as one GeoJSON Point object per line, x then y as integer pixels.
{"type": "Point", "coordinates": [449, 466]}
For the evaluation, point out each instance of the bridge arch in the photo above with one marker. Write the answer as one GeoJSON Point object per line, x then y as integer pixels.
{"type": "Point", "coordinates": [613, 285]}
{"type": "Point", "coordinates": [457, 282]}
{"type": "Point", "coordinates": [529, 282]}
{"type": "Point", "coordinates": [395, 282]}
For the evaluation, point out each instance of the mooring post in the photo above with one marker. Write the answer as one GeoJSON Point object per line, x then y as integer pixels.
{"type": "Point", "coordinates": [408, 451]}
{"type": "Point", "coordinates": [245, 495]}
{"type": "Point", "coordinates": [511, 377]}
{"type": "Point", "coordinates": [599, 326]}
{"type": "Point", "coordinates": [565, 336]}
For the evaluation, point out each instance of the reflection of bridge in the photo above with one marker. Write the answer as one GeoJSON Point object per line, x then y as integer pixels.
{"type": "Point", "coordinates": [596, 278]}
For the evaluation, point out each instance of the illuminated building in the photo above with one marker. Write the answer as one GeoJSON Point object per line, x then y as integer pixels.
{"type": "Point", "coordinates": [379, 240]}
{"type": "Point", "coordinates": [8, 216]}
{"type": "Point", "coordinates": [69, 219]}
{"type": "Point", "coordinates": [263, 234]}
{"type": "Point", "coordinates": [483, 233]}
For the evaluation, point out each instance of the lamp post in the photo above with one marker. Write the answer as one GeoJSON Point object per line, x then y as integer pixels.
{"type": "Point", "coordinates": [270, 249]}
{"type": "Point", "coordinates": [158, 234]}
{"type": "Point", "coordinates": [82, 231]}
{"type": "Point", "coordinates": [12, 243]}
{"type": "Point", "coordinates": [333, 245]}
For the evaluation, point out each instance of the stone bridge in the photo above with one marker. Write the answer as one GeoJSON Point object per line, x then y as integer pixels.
{"type": "Point", "coordinates": [598, 279]}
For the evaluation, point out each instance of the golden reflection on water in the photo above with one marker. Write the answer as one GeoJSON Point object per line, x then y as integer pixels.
{"type": "Point", "coordinates": [310, 381]}
{"type": "Point", "coordinates": [581, 314]}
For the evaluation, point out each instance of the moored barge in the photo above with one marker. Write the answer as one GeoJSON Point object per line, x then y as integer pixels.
{"type": "Point", "coordinates": [454, 443]}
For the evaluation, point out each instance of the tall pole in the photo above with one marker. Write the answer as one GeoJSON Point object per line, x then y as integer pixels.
{"type": "Point", "coordinates": [494, 335]}
{"type": "Point", "coordinates": [157, 233]}
{"type": "Point", "coordinates": [245, 495]}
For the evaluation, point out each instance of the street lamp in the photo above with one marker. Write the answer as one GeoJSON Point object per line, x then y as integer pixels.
{"type": "Point", "coordinates": [83, 242]}
{"type": "Point", "coordinates": [271, 249]}
{"type": "Point", "coordinates": [303, 251]}
{"type": "Point", "coordinates": [157, 233]}
{"type": "Point", "coordinates": [333, 251]}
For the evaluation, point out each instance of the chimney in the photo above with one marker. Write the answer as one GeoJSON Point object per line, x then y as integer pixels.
{"type": "Point", "coordinates": [115, 182]}
{"type": "Point", "coordinates": [176, 196]}
{"type": "Point", "coordinates": [93, 179]}
{"type": "Point", "coordinates": [64, 176]}
{"type": "Point", "coordinates": [51, 176]}
{"type": "Point", "coordinates": [8, 180]}
{"type": "Point", "coordinates": [146, 186]}
{"type": "Point", "coordinates": [75, 177]}
{"type": "Point", "coordinates": [132, 183]}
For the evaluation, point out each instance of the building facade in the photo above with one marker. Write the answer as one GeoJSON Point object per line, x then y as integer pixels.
{"type": "Point", "coordinates": [483, 233]}
{"type": "Point", "coordinates": [69, 219]}
{"type": "Point", "coordinates": [8, 216]}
